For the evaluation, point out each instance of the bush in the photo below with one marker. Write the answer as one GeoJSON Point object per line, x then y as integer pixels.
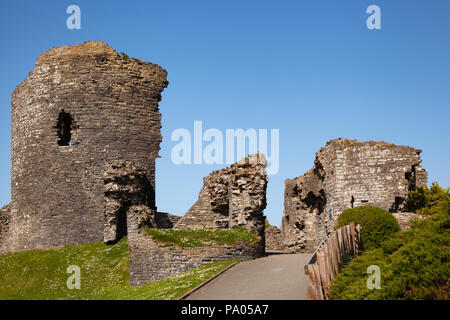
{"type": "Point", "coordinates": [377, 225]}
{"type": "Point", "coordinates": [422, 199]}
{"type": "Point", "coordinates": [414, 264]}
{"type": "Point", "coordinates": [124, 55]}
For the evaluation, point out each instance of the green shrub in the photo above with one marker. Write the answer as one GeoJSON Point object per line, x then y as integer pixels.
{"type": "Point", "coordinates": [124, 55]}
{"type": "Point", "coordinates": [422, 199]}
{"type": "Point", "coordinates": [377, 225]}
{"type": "Point", "coordinates": [414, 264]}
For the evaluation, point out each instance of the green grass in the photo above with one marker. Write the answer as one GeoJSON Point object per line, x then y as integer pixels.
{"type": "Point", "coordinates": [204, 237]}
{"type": "Point", "coordinates": [414, 264]}
{"type": "Point", "coordinates": [41, 274]}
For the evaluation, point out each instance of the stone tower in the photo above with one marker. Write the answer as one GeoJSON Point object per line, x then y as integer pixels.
{"type": "Point", "coordinates": [347, 174]}
{"type": "Point", "coordinates": [82, 108]}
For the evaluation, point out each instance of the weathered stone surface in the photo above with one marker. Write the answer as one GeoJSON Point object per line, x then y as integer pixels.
{"type": "Point", "coordinates": [404, 219]}
{"type": "Point", "coordinates": [248, 194]}
{"type": "Point", "coordinates": [346, 174]}
{"type": "Point", "coordinates": [166, 220]}
{"type": "Point", "coordinates": [5, 212]}
{"type": "Point", "coordinates": [126, 188]}
{"type": "Point", "coordinates": [230, 197]}
{"type": "Point", "coordinates": [151, 261]}
{"type": "Point", "coordinates": [202, 214]}
{"type": "Point", "coordinates": [81, 108]}
{"type": "Point", "coordinates": [85, 136]}
{"type": "Point", "coordinates": [304, 222]}
{"type": "Point", "coordinates": [274, 239]}
{"type": "Point", "coordinates": [129, 208]}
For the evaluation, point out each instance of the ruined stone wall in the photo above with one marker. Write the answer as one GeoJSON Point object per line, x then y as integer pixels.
{"type": "Point", "coordinates": [211, 210]}
{"type": "Point", "coordinates": [151, 261]}
{"type": "Point", "coordinates": [166, 220]}
{"type": "Point", "coordinates": [274, 239]}
{"type": "Point", "coordinates": [405, 219]}
{"type": "Point", "coordinates": [231, 197]}
{"type": "Point", "coordinates": [128, 211]}
{"type": "Point", "coordinates": [5, 218]}
{"type": "Point", "coordinates": [126, 189]}
{"type": "Point", "coordinates": [370, 173]}
{"type": "Point", "coordinates": [304, 222]}
{"type": "Point", "coordinates": [347, 174]}
{"type": "Point", "coordinates": [247, 191]}
{"type": "Point", "coordinates": [81, 108]}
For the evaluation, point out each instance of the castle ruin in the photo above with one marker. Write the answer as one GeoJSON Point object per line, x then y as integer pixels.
{"type": "Point", "coordinates": [231, 197]}
{"type": "Point", "coordinates": [347, 174]}
{"type": "Point", "coordinates": [80, 109]}
{"type": "Point", "coordinates": [85, 134]}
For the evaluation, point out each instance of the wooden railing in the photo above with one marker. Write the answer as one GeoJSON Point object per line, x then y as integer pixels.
{"type": "Point", "coordinates": [338, 248]}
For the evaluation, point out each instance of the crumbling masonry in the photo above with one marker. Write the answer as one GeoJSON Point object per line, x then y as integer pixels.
{"type": "Point", "coordinates": [4, 226]}
{"type": "Point", "coordinates": [128, 209]}
{"type": "Point", "coordinates": [82, 108]}
{"type": "Point", "coordinates": [231, 197]}
{"type": "Point", "coordinates": [346, 174]}
{"type": "Point", "coordinates": [85, 136]}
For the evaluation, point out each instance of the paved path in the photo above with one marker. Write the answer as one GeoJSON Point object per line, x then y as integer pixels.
{"type": "Point", "coordinates": [275, 277]}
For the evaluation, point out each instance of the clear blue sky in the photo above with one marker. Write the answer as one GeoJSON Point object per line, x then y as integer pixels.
{"type": "Point", "coordinates": [308, 68]}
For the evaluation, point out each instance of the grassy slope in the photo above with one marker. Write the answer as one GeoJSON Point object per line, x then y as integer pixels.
{"type": "Point", "coordinates": [204, 237]}
{"type": "Point", "coordinates": [414, 264]}
{"type": "Point", "coordinates": [41, 274]}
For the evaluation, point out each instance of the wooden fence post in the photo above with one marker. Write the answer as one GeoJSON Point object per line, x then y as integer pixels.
{"type": "Point", "coordinates": [329, 257]}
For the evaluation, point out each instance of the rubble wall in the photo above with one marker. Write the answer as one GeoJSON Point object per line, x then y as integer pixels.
{"type": "Point", "coordinates": [347, 174]}
{"type": "Point", "coordinates": [231, 197]}
{"type": "Point", "coordinates": [5, 217]}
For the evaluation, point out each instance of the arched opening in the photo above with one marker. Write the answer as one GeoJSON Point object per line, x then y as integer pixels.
{"type": "Point", "coordinates": [115, 222]}
{"type": "Point", "coordinates": [352, 201]}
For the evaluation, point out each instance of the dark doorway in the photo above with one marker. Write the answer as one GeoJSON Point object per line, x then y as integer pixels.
{"type": "Point", "coordinates": [64, 128]}
{"type": "Point", "coordinates": [122, 223]}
